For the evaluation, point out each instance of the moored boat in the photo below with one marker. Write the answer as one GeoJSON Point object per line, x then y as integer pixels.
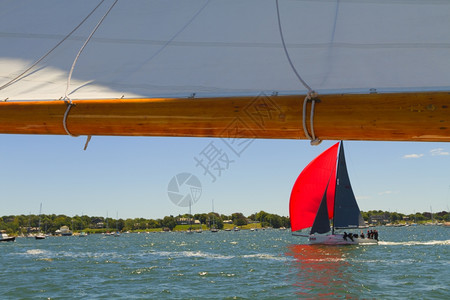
{"type": "Point", "coordinates": [65, 231]}
{"type": "Point", "coordinates": [4, 237]}
{"type": "Point", "coordinates": [40, 235]}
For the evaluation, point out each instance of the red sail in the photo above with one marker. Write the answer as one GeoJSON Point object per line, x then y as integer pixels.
{"type": "Point", "coordinates": [309, 187]}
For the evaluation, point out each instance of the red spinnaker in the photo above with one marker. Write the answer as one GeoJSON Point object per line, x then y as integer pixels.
{"type": "Point", "coordinates": [309, 187]}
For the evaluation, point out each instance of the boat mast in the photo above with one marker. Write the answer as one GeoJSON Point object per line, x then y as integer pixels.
{"type": "Point", "coordinates": [335, 184]}
{"type": "Point", "coordinates": [190, 215]}
{"type": "Point", "coordinates": [40, 212]}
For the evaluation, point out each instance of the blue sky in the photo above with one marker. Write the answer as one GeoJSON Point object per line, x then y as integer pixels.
{"type": "Point", "coordinates": [129, 176]}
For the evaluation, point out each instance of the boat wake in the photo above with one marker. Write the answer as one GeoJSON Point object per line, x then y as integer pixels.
{"type": "Point", "coordinates": [415, 243]}
{"type": "Point", "coordinates": [265, 256]}
{"type": "Point", "coordinates": [201, 254]}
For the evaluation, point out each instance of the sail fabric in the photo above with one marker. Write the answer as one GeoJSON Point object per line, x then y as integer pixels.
{"type": "Point", "coordinates": [309, 188]}
{"type": "Point", "coordinates": [321, 223]}
{"type": "Point", "coordinates": [346, 210]}
{"type": "Point", "coordinates": [166, 48]}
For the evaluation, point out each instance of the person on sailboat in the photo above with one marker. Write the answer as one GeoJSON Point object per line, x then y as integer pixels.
{"type": "Point", "coordinates": [375, 234]}
{"type": "Point", "coordinates": [350, 235]}
{"type": "Point", "coordinates": [362, 234]}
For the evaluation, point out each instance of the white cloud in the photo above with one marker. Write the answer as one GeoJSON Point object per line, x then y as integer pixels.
{"type": "Point", "coordinates": [412, 155]}
{"type": "Point", "coordinates": [438, 151]}
{"type": "Point", "coordinates": [387, 193]}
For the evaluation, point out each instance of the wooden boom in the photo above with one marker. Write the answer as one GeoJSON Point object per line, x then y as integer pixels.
{"type": "Point", "coordinates": [388, 117]}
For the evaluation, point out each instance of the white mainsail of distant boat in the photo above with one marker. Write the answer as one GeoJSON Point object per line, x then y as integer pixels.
{"type": "Point", "coordinates": [132, 67]}
{"type": "Point", "coordinates": [323, 192]}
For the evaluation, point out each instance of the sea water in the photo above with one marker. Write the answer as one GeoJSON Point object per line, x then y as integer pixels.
{"type": "Point", "coordinates": [409, 263]}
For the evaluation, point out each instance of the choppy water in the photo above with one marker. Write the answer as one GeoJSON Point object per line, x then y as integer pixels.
{"type": "Point", "coordinates": [409, 263]}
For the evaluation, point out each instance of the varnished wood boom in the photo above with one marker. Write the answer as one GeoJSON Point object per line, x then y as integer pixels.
{"type": "Point", "coordinates": [388, 117]}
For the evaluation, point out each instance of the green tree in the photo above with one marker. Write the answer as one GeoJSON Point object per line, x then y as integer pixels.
{"type": "Point", "coordinates": [239, 219]}
{"type": "Point", "coordinates": [169, 222]}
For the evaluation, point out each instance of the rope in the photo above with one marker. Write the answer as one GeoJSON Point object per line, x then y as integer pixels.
{"type": "Point", "coordinates": [311, 96]}
{"type": "Point", "coordinates": [69, 106]}
{"type": "Point", "coordinates": [287, 53]}
{"type": "Point", "coordinates": [66, 97]}
{"type": "Point", "coordinates": [88, 139]}
{"type": "Point", "coordinates": [82, 48]}
{"type": "Point", "coordinates": [17, 78]}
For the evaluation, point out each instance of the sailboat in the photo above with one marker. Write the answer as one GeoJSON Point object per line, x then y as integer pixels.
{"type": "Point", "coordinates": [213, 226]}
{"type": "Point", "coordinates": [190, 230]}
{"type": "Point", "coordinates": [322, 192]}
{"type": "Point", "coordinates": [130, 68]}
{"type": "Point", "coordinates": [40, 235]}
{"type": "Point", "coordinates": [117, 233]}
{"type": "Point", "coordinates": [107, 233]}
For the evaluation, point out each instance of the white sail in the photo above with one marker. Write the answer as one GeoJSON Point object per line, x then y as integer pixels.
{"type": "Point", "coordinates": [148, 48]}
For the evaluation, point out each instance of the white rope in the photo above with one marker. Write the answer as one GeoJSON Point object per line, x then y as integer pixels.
{"type": "Point", "coordinates": [66, 97]}
{"type": "Point", "coordinates": [69, 106]}
{"type": "Point", "coordinates": [311, 96]}
{"type": "Point", "coordinates": [287, 53]}
{"type": "Point", "coordinates": [17, 78]}
{"type": "Point", "coordinates": [82, 48]}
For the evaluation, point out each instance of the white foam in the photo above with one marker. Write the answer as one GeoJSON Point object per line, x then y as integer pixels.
{"type": "Point", "coordinates": [35, 252]}
{"type": "Point", "coordinates": [265, 256]}
{"type": "Point", "coordinates": [200, 254]}
{"type": "Point", "coordinates": [415, 243]}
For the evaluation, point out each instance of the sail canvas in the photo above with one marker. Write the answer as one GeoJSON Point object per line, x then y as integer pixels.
{"type": "Point", "coordinates": [223, 47]}
{"type": "Point", "coordinates": [309, 188]}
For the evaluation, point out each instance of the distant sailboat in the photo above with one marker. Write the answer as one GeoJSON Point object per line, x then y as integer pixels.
{"type": "Point", "coordinates": [189, 231]}
{"type": "Point", "coordinates": [213, 226]}
{"type": "Point", "coordinates": [40, 235]}
{"type": "Point", "coordinates": [107, 233]}
{"type": "Point", "coordinates": [117, 233]}
{"type": "Point", "coordinates": [321, 194]}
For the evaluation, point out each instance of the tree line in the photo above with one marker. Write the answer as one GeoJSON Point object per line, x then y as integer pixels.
{"type": "Point", "coordinates": [395, 217]}
{"type": "Point", "coordinates": [23, 224]}
{"type": "Point", "coordinates": [26, 224]}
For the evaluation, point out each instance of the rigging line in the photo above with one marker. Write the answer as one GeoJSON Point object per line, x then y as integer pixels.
{"type": "Point", "coordinates": [311, 96]}
{"type": "Point", "coordinates": [69, 106]}
{"type": "Point", "coordinates": [17, 78]}
{"type": "Point", "coordinates": [66, 98]}
{"type": "Point", "coordinates": [82, 48]}
{"type": "Point", "coordinates": [310, 90]}
{"type": "Point", "coordinates": [170, 41]}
